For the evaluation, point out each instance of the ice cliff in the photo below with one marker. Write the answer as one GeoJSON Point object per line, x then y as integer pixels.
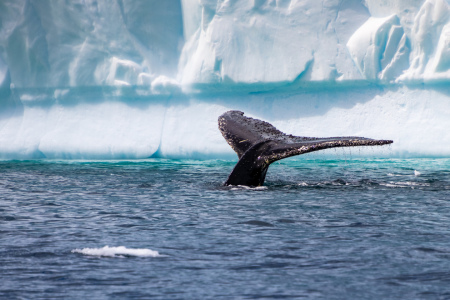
{"type": "Point", "coordinates": [132, 79]}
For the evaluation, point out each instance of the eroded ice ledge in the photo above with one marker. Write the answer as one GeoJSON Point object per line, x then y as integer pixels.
{"type": "Point", "coordinates": [133, 123]}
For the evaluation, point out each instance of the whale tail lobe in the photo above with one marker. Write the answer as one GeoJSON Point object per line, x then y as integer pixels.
{"type": "Point", "coordinates": [258, 144]}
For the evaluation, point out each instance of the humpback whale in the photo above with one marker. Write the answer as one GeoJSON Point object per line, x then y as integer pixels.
{"type": "Point", "coordinates": [258, 144]}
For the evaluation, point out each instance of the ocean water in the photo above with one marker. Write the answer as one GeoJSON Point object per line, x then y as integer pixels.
{"type": "Point", "coordinates": [321, 228]}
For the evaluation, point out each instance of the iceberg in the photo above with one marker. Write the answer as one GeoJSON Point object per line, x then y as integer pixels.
{"type": "Point", "coordinates": [136, 79]}
{"type": "Point", "coordinates": [380, 48]}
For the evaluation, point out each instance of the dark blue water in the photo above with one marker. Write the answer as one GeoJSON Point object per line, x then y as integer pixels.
{"type": "Point", "coordinates": [320, 229]}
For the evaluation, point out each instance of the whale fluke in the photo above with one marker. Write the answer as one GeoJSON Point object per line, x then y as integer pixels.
{"type": "Point", "coordinates": [258, 144]}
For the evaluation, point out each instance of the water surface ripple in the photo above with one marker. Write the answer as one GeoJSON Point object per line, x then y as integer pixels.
{"type": "Point", "coordinates": [319, 229]}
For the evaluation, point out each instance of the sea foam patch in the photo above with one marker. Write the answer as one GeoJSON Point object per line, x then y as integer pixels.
{"type": "Point", "coordinates": [120, 251]}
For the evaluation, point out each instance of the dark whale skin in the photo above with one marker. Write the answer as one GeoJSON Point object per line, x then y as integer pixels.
{"type": "Point", "coordinates": [258, 144]}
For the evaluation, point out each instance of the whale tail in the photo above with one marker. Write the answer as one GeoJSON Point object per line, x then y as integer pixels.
{"type": "Point", "coordinates": [258, 144]}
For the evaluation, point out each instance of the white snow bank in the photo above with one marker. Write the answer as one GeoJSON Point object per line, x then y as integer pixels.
{"type": "Point", "coordinates": [117, 252]}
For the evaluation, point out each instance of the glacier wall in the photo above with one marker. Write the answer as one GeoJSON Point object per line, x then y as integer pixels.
{"type": "Point", "coordinates": [78, 43]}
{"type": "Point", "coordinates": [134, 79]}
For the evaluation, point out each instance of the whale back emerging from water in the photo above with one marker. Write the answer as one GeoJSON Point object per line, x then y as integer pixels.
{"type": "Point", "coordinates": [258, 144]}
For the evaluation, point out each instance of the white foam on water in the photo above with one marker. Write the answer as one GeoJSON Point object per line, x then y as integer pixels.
{"type": "Point", "coordinates": [417, 173]}
{"type": "Point", "coordinates": [403, 184]}
{"type": "Point", "coordinates": [117, 252]}
{"type": "Point", "coordinates": [244, 187]}
{"type": "Point", "coordinates": [396, 175]}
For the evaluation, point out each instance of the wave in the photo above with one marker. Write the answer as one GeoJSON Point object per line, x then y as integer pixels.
{"type": "Point", "coordinates": [120, 251]}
